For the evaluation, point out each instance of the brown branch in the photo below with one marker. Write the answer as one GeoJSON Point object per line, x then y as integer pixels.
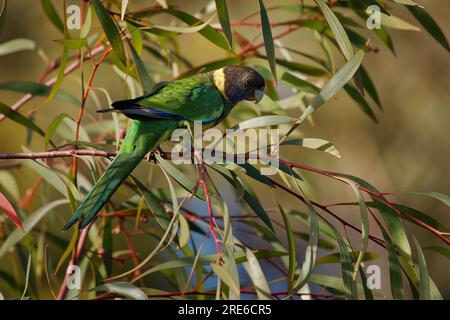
{"type": "Point", "coordinates": [55, 154]}
{"type": "Point", "coordinates": [83, 104]}
{"type": "Point", "coordinates": [75, 257]}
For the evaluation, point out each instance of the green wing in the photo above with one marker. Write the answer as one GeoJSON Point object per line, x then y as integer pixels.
{"type": "Point", "coordinates": [193, 98]}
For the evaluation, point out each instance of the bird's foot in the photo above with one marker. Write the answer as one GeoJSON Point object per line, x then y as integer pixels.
{"type": "Point", "coordinates": [151, 156]}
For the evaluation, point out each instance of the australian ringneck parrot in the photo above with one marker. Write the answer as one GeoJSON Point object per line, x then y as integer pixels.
{"type": "Point", "coordinates": [206, 97]}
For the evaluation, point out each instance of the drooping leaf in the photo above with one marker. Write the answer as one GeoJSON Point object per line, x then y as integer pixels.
{"type": "Point", "coordinates": [337, 29]}
{"type": "Point", "coordinates": [53, 127]}
{"type": "Point", "coordinates": [224, 19]}
{"type": "Point", "coordinates": [335, 258]}
{"type": "Point", "coordinates": [196, 28]}
{"type": "Point", "coordinates": [256, 274]}
{"type": "Point", "coordinates": [208, 32]}
{"type": "Point", "coordinates": [38, 89]}
{"type": "Point", "coordinates": [16, 45]}
{"type": "Point", "coordinates": [359, 99]}
{"type": "Point", "coordinates": [20, 119]}
{"type": "Point", "coordinates": [248, 197]}
{"type": "Point", "coordinates": [28, 224]}
{"type": "Point", "coordinates": [110, 28]}
{"type": "Point", "coordinates": [430, 25]}
{"type": "Point", "coordinates": [51, 13]}
{"type": "Point", "coordinates": [335, 84]}
{"type": "Point", "coordinates": [291, 249]}
{"type": "Point", "coordinates": [395, 271]}
{"type": "Point", "coordinates": [3, 15]}
{"type": "Point", "coordinates": [314, 143]}
{"type": "Point", "coordinates": [154, 204]}
{"type": "Point", "coordinates": [424, 287]}
{"type": "Point", "coordinates": [311, 251]}
{"type": "Point", "coordinates": [226, 277]}
{"type": "Point", "coordinates": [268, 39]}
{"type": "Point", "coordinates": [300, 84]}
{"type": "Point", "coordinates": [364, 224]}
{"type": "Point", "coordinates": [444, 251]}
{"type": "Point", "coordinates": [123, 9]}
{"type": "Point", "coordinates": [124, 289]}
{"type": "Point", "coordinates": [369, 86]}
{"type": "Point", "coordinates": [437, 195]}
{"type": "Point", "coordinates": [397, 23]}
{"type": "Point", "coordinates": [263, 121]}
{"type": "Point", "coordinates": [73, 43]}
{"type": "Point", "coordinates": [146, 81]}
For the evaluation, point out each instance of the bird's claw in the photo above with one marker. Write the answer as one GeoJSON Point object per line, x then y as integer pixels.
{"type": "Point", "coordinates": [151, 156]}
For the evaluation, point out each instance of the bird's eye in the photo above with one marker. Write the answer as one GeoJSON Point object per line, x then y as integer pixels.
{"type": "Point", "coordinates": [248, 80]}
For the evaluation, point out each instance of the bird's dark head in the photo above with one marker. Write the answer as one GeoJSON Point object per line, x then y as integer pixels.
{"type": "Point", "coordinates": [239, 83]}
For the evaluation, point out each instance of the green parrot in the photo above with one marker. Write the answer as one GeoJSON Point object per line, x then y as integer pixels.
{"type": "Point", "coordinates": [206, 97]}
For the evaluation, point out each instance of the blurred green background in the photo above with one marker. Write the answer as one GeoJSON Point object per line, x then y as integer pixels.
{"type": "Point", "coordinates": [408, 150]}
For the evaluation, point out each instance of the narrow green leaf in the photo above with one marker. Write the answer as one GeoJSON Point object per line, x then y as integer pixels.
{"type": "Point", "coordinates": [395, 271]}
{"type": "Point", "coordinates": [73, 43]}
{"type": "Point", "coordinates": [123, 9]}
{"type": "Point", "coordinates": [51, 13]}
{"type": "Point", "coordinates": [300, 84]}
{"type": "Point", "coordinates": [437, 195]}
{"type": "Point", "coordinates": [369, 86]}
{"type": "Point", "coordinates": [395, 227]}
{"type": "Point", "coordinates": [430, 25]}
{"type": "Point", "coordinates": [193, 29]}
{"type": "Point", "coordinates": [397, 23]}
{"type": "Point", "coordinates": [248, 197]}
{"type": "Point", "coordinates": [60, 76]}
{"type": "Point", "coordinates": [424, 287]}
{"type": "Point", "coordinates": [302, 68]}
{"type": "Point", "coordinates": [335, 258]}
{"type": "Point", "coordinates": [38, 89]}
{"type": "Point", "coordinates": [359, 99]}
{"type": "Point", "coordinates": [408, 2]}
{"type": "Point", "coordinates": [311, 250]}
{"type": "Point", "coordinates": [184, 232]}
{"type": "Point", "coordinates": [314, 143]}
{"type": "Point", "coordinates": [444, 251]}
{"type": "Point", "coordinates": [263, 121]}
{"type": "Point", "coordinates": [344, 74]}
{"type": "Point", "coordinates": [224, 19]}
{"type": "Point", "coordinates": [226, 277]}
{"type": "Point", "coordinates": [154, 204]}
{"type": "Point", "coordinates": [350, 287]}
{"type": "Point", "coordinates": [208, 32]}
{"type": "Point", "coordinates": [28, 224]}
{"type": "Point", "coordinates": [53, 127]}
{"type": "Point", "coordinates": [291, 249]}
{"type": "Point", "coordinates": [337, 29]}
{"type": "Point", "coordinates": [20, 119]}
{"type": "Point", "coordinates": [16, 45]}
{"type": "Point", "coordinates": [146, 81]}
{"type": "Point", "coordinates": [364, 224]}
{"type": "Point", "coordinates": [256, 274]}
{"type": "Point", "coordinates": [3, 15]}
{"type": "Point", "coordinates": [110, 28]}
{"type": "Point", "coordinates": [125, 289]}
{"type": "Point", "coordinates": [180, 177]}
{"type": "Point", "coordinates": [268, 39]}
{"type": "Point", "coordinates": [27, 277]}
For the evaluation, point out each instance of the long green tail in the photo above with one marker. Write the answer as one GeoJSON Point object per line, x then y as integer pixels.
{"type": "Point", "coordinates": [142, 137]}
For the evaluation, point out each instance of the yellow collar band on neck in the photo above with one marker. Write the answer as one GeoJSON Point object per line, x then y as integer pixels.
{"type": "Point", "coordinates": [219, 80]}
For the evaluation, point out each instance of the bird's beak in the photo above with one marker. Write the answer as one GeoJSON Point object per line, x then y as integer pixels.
{"type": "Point", "coordinates": [259, 94]}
